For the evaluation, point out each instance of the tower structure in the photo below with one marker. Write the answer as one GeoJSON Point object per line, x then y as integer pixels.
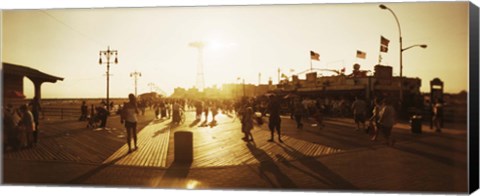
{"type": "Point", "coordinates": [200, 76]}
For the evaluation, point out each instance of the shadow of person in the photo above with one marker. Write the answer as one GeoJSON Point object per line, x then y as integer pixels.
{"type": "Point", "coordinates": [212, 124]}
{"type": "Point", "coordinates": [204, 124]}
{"type": "Point", "coordinates": [162, 130]}
{"type": "Point", "coordinates": [267, 165]}
{"type": "Point", "coordinates": [195, 122]}
{"type": "Point", "coordinates": [84, 177]}
{"type": "Point", "coordinates": [331, 179]}
{"type": "Point", "coordinates": [157, 121]}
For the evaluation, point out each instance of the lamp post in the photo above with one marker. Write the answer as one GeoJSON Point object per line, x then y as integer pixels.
{"type": "Point", "coordinates": [135, 75]}
{"type": "Point", "coordinates": [401, 49]}
{"type": "Point", "coordinates": [108, 54]}
{"type": "Point", "coordinates": [401, 59]}
{"type": "Point", "coordinates": [151, 85]}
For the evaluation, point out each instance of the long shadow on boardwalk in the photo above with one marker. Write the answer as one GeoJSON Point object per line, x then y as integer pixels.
{"type": "Point", "coordinates": [87, 175]}
{"type": "Point", "coordinates": [434, 157]}
{"type": "Point", "coordinates": [267, 165]}
{"type": "Point", "coordinates": [331, 179]}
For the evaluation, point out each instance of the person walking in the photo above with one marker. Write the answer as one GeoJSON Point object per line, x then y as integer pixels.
{"type": "Point", "coordinates": [298, 112]}
{"type": "Point", "coordinates": [27, 125]}
{"type": "Point", "coordinates": [214, 109]}
{"type": "Point", "coordinates": [206, 109]}
{"type": "Point", "coordinates": [247, 124]}
{"type": "Point", "coordinates": [36, 108]}
{"type": "Point", "coordinates": [102, 114]}
{"type": "Point", "coordinates": [359, 107]}
{"type": "Point", "coordinates": [374, 119]}
{"type": "Point", "coordinates": [274, 118]}
{"type": "Point", "coordinates": [387, 120]}
{"type": "Point", "coordinates": [176, 112]}
{"type": "Point", "coordinates": [84, 111]}
{"type": "Point", "coordinates": [129, 114]}
{"type": "Point", "coordinates": [198, 110]}
{"type": "Point", "coordinates": [438, 115]}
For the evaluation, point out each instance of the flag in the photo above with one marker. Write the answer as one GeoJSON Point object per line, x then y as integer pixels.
{"type": "Point", "coordinates": [384, 44]}
{"type": "Point", "coordinates": [284, 76]}
{"type": "Point", "coordinates": [361, 55]}
{"type": "Point", "coordinates": [314, 56]}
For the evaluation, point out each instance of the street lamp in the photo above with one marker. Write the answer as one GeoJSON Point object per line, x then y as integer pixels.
{"type": "Point", "coordinates": [401, 49]}
{"type": "Point", "coordinates": [383, 7]}
{"type": "Point", "coordinates": [135, 75]}
{"type": "Point", "coordinates": [108, 53]}
{"type": "Point", "coordinates": [419, 45]}
{"type": "Point", "coordinates": [151, 85]}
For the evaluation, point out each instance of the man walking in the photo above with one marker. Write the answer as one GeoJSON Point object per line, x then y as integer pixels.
{"type": "Point", "coordinates": [274, 119]}
{"type": "Point", "coordinates": [359, 108]}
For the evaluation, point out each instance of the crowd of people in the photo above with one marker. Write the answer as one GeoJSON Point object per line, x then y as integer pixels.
{"type": "Point", "coordinates": [22, 124]}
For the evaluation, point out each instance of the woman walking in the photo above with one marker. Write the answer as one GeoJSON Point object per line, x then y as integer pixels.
{"type": "Point", "coordinates": [247, 124]}
{"type": "Point", "coordinates": [129, 116]}
{"type": "Point", "coordinates": [27, 125]}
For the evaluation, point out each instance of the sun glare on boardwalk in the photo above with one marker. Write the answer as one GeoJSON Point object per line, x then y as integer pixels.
{"type": "Point", "coordinates": [192, 184]}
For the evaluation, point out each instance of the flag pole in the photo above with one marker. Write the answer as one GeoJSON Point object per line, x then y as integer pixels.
{"type": "Point", "coordinates": [311, 65]}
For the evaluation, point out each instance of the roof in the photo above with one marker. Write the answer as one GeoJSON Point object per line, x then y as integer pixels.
{"type": "Point", "coordinates": [13, 69]}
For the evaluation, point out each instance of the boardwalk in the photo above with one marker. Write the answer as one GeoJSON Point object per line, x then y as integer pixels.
{"type": "Point", "coordinates": [336, 157]}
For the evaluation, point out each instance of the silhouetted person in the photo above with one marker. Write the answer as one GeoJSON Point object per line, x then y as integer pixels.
{"type": "Point", "coordinates": [27, 125]}
{"type": "Point", "coordinates": [198, 109]}
{"type": "Point", "coordinates": [129, 117]}
{"type": "Point", "coordinates": [387, 120]}
{"type": "Point", "coordinates": [298, 112]}
{"type": "Point", "coordinates": [359, 108]}
{"type": "Point", "coordinates": [102, 114]}
{"type": "Point", "coordinates": [10, 129]}
{"type": "Point", "coordinates": [206, 109]}
{"type": "Point", "coordinates": [84, 111]}
{"type": "Point", "coordinates": [176, 112]}
{"type": "Point", "coordinates": [214, 109]}
{"type": "Point", "coordinates": [247, 124]}
{"type": "Point", "coordinates": [374, 120]}
{"type": "Point", "coordinates": [273, 109]}
{"type": "Point", "coordinates": [438, 115]}
{"type": "Point", "coordinates": [36, 108]}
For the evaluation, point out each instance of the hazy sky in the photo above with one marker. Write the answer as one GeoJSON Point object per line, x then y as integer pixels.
{"type": "Point", "coordinates": [243, 42]}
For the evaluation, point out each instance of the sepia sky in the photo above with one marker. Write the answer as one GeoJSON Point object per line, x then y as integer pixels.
{"type": "Point", "coordinates": [242, 41]}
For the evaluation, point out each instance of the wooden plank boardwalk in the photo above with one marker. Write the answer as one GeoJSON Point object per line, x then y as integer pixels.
{"type": "Point", "coordinates": [72, 141]}
{"type": "Point", "coordinates": [153, 143]}
{"type": "Point", "coordinates": [221, 145]}
{"type": "Point", "coordinates": [214, 146]}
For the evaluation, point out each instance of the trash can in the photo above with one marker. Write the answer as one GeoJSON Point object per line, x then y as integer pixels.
{"type": "Point", "coordinates": [183, 146]}
{"type": "Point", "coordinates": [416, 123]}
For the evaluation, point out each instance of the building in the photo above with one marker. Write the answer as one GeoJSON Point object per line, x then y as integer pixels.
{"type": "Point", "coordinates": [358, 83]}
{"type": "Point", "coordinates": [13, 81]}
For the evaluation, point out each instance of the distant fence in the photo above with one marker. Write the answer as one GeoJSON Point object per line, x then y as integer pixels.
{"type": "Point", "coordinates": [67, 112]}
{"type": "Point", "coordinates": [59, 112]}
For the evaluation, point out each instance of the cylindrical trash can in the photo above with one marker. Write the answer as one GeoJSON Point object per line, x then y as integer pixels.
{"type": "Point", "coordinates": [416, 123]}
{"type": "Point", "coordinates": [183, 146]}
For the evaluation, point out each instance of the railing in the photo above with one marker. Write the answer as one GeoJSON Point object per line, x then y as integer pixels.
{"type": "Point", "coordinates": [62, 113]}
{"type": "Point", "coordinates": [68, 112]}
